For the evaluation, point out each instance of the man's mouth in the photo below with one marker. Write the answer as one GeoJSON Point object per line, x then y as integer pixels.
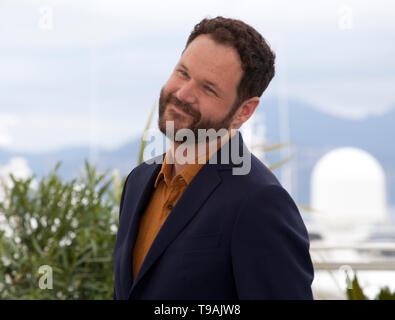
{"type": "Point", "coordinates": [178, 109]}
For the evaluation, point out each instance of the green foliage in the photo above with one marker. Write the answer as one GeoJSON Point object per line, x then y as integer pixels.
{"type": "Point", "coordinates": [356, 292]}
{"type": "Point", "coordinates": [385, 294]}
{"type": "Point", "coordinates": [69, 226]}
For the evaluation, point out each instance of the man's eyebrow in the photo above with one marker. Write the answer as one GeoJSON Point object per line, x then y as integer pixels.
{"type": "Point", "coordinates": [205, 81]}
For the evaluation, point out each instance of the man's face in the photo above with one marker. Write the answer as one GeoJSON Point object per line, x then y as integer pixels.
{"type": "Point", "coordinates": [202, 90]}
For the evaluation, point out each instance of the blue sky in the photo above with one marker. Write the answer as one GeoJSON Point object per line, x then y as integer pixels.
{"type": "Point", "coordinates": [88, 72]}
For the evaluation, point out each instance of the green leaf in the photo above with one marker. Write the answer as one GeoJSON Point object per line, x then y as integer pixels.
{"type": "Point", "coordinates": [356, 292]}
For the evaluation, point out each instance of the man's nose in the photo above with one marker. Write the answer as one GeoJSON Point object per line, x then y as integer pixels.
{"type": "Point", "coordinates": [186, 92]}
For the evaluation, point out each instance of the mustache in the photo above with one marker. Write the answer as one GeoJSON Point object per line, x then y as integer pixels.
{"type": "Point", "coordinates": [184, 106]}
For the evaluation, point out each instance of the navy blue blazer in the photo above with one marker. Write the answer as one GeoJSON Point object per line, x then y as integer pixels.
{"type": "Point", "coordinates": [228, 237]}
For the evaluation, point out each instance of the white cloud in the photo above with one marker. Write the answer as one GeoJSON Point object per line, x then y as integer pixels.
{"type": "Point", "coordinates": [18, 166]}
{"type": "Point", "coordinates": [6, 122]}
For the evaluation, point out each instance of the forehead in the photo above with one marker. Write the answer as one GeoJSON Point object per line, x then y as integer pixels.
{"type": "Point", "coordinates": [214, 62]}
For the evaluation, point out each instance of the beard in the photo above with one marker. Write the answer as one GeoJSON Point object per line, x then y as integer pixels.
{"type": "Point", "coordinates": [193, 121]}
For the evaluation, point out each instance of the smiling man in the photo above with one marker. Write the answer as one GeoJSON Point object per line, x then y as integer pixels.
{"type": "Point", "coordinates": [189, 227]}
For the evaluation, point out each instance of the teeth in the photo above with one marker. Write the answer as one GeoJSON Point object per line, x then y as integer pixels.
{"type": "Point", "coordinates": [179, 109]}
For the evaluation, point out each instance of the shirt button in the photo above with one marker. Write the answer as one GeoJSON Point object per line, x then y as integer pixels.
{"type": "Point", "coordinates": [169, 207]}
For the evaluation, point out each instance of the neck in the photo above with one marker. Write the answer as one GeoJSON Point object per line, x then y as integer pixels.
{"type": "Point", "coordinates": [189, 155]}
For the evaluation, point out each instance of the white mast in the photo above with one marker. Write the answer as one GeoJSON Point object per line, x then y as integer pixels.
{"type": "Point", "coordinates": [286, 169]}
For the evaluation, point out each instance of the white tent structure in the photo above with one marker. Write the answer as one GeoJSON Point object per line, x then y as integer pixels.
{"type": "Point", "coordinates": [348, 190]}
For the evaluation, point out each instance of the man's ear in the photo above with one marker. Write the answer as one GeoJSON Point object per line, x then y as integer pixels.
{"type": "Point", "coordinates": [244, 112]}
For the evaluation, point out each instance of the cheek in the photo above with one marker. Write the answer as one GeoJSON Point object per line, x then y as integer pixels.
{"type": "Point", "coordinates": [171, 84]}
{"type": "Point", "coordinates": [212, 109]}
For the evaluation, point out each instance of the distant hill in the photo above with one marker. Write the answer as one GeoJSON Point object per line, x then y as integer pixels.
{"type": "Point", "coordinates": [312, 132]}
{"type": "Point", "coordinates": [72, 159]}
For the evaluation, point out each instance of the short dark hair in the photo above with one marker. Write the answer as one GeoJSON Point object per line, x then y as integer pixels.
{"type": "Point", "coordinates": [255, 54]}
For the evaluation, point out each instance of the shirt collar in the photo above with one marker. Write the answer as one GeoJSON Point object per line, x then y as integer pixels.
{"type": "Point", "coordinates": [189, 172]}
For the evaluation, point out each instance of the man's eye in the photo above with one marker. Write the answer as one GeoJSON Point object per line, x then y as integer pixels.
{"type": "Point", "coordinates": [209, 89]}
{"type": "Point", "coordinates": [183, 73]}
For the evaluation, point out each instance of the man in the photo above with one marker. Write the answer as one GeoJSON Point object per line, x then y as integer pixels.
{"type": "Point", "coordinates": [194, 229]}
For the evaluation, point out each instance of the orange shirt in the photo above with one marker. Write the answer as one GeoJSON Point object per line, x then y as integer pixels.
{"type": "Point", "coordinates": [166, 193]}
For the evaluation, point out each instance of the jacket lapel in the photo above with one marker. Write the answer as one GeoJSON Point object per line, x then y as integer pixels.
{"type": "Point", "coordinates": [136, 204]}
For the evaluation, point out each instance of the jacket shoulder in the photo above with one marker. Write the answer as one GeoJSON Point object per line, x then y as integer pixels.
{"type": "Point", "coordinates": [259, 176]}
